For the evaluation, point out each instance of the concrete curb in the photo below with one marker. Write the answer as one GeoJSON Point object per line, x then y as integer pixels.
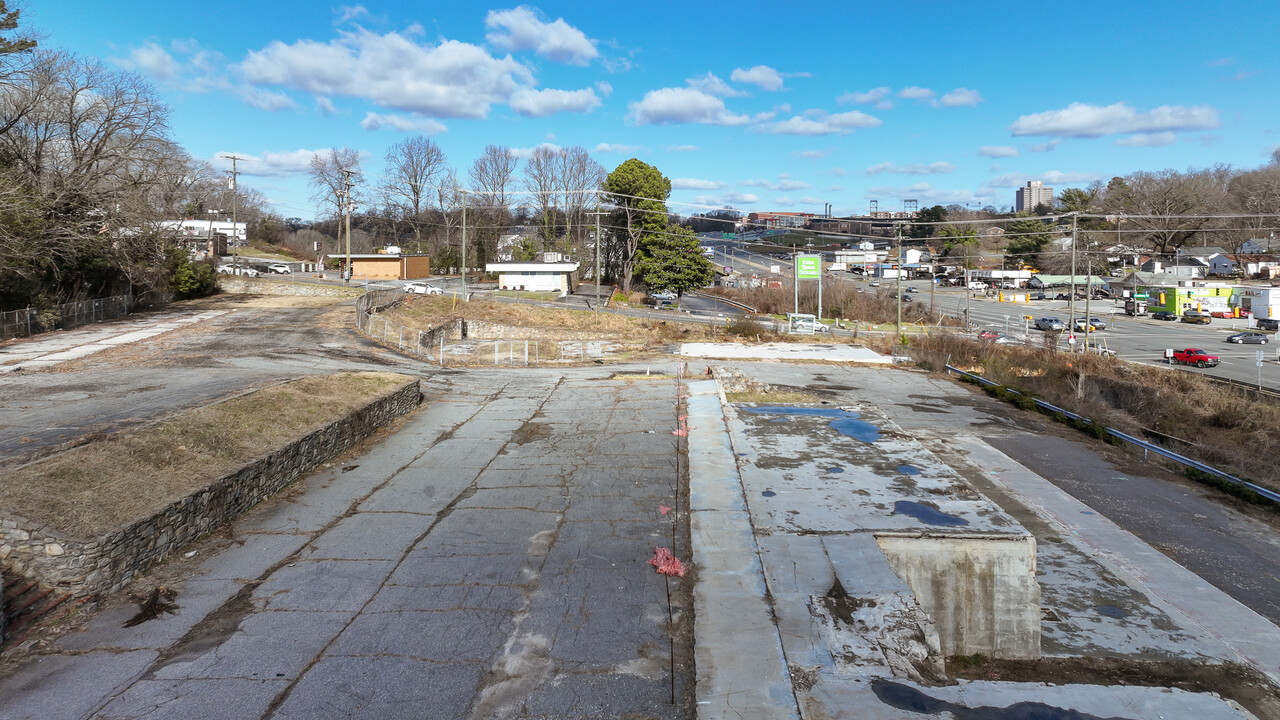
{"type": "Point", "coordinates": [742, 672]}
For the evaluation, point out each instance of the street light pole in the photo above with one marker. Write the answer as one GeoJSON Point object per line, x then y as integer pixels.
{"type": "Point", "coordinates": [235, 235]}
{"type": "Point", "coordinates": [898, 327]}
{"type": "Point", "coordinates": [1071, 301]}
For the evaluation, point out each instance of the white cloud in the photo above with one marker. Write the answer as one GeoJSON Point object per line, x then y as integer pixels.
{"type": "Point", "coordinates": [837, 172]}
{"type": "Point", "coordinates": [835, 188]}
{"type": "Point", "coordinates": [960, 97]}
{"type": "Point", "coordinates": [521, 29]}
{"type": "Point", "coordinates": [762, 76]}
{"type": "Point", "coordinates": [617, 148]}
{"type": "Point", "coordinates": [264, 99]}
{"type": "Point", "coordinates": [325, 106]}
{"type": "Point", "coordinates": [916, 93]}
{"type": "Point", "coordinates": [451, 79]}
{"type": "Point", "coordinates": [402, 123]}
{"type": "Point", "coordinates": [271, 164]}
{"type": "Point", "coordinates": [1045, 146]}
{"type": "Point", "coordinates": [682, 105]}
{"type": "Point", "coordinates": [695, 184]}
{"type": "Point", "coordinates": [525, 153]}
{"type": "Point", "coordinates": [1081, 120]}
{"type": "Point", "coordinates": [1053, 177]}
{"type": "Point", "coordinates": [930, 169]}
{"type": "Point", "coordinates": [876, 97]}
{"type": "Point", "coordinates": [784, 201]}
{"type": "Point", "coordinates": [730, 198]}
{"type": "Point", "coordinates": [1159, 139]}
{"type": "Point", "coordinates": [155, 61]}
{"type": "Point", "coordinates": [811, 154]}
{"type": "Point", "coordinates": [819, 123]}
{"type": "Point", "coordinates": [346, 14]}
{"type": "Point", "coordinates": [712, 85]}
{"type": "Point", "coordinates": [541, 103]}
{"type": "Point", "coordinates": [605, 88]}
{"type": "Point", "coordinates": [928, 195]}
{"type": "Point", "coordinates": [681, 148]}
{"type": "Point", "coordinates": [1222, 62]}
{"type": "Point", "coordinates": [785, 183]}
{"type": "Point", "coordinates": [810, 200]}
{"type": "Point", "coordinates": [997, 151]}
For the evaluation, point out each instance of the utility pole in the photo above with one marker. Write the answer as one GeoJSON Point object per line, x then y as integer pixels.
{"type": "Point", "coordinates": [235, 234]}
{"type": "Point", "coordinates": [346, 211]}
{"type": "Point", "coordinates": [597, 215]}
{"type": "Point", "coordinates": [1071, 301]}
{"type": "Point", "coordinates": [898, 327]}
{"type": "Point", "coordinates": [1088, 295]}
{"type": "Point", "coordinates": [464, 244]}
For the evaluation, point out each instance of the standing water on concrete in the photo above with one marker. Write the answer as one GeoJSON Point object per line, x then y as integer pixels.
{"type": "Point", "coordinates": [905, 697]}
{"type": "Point", "coordinates": [845, 422]}
{"type": "Point", "coordinates": [927, 514]}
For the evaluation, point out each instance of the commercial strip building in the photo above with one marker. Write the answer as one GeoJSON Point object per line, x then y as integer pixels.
{"type": "Point", "coordinates": [559, 277]}
{"type": "Point", "coordinates": [380, 266]}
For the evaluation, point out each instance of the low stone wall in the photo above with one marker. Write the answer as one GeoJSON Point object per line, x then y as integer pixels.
{"type": "Point", "coordinates": [243, 285]}
{"type": "Point", "coordinates": [108, 563]}
{"type": "Point", "coordinates": [481, 330]}
{"type": "Point", "coordinates": [980, 590]}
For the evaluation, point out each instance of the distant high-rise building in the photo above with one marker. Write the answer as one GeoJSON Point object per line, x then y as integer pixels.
{"type": "Point", "coordinates": [1035, 193]}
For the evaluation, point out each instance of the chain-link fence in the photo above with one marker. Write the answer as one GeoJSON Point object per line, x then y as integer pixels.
{"type": "Point", "coordinates": [30, 321]}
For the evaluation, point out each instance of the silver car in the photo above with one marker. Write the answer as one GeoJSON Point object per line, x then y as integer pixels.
{"type": "Point", "coordinates": [1050, 323]}
{"type": "Point", "coordinates": [1252, 338]}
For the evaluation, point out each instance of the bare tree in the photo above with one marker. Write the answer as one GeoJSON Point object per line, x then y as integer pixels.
{"type": "Point", "coordinates": [412, 164]}
{"type": "Point", "coordinates": [492, 175]}
{"type": "Point", "coordinates": [328, 174]}
{"type": "Point", "coordinates": [580, 176]}
{"type": "Point", "coordinates": [1170, 209]}
{"type": "Point", "coordinates": [541, 181]}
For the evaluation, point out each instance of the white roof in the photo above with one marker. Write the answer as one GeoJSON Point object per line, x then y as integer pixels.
{"type": "Point", "coordinates": [530, 267]}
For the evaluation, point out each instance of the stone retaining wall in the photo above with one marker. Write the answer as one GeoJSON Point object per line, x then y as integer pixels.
{"type": "Point", "coordinates": [244, 285]}
{"type": "Point", "coordinates": [108, 563]}
{"type": "Point", "coordinates": [481, 330]}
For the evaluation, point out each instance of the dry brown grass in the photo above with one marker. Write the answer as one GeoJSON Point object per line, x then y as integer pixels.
{"type": "Point", "coordinates": [90, 490]}
{"type": "Point", "coordinates": [841, 300]}
{"type": "Point", "coordinates": [1221, 426]}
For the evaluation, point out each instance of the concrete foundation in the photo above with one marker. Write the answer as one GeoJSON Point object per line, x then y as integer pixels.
{"type": "Point", "coordinates": [979, 590]}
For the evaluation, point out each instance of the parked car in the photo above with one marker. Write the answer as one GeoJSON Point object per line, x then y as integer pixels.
{"type": "Point", "coordinates": [1164, 315]}
{"type": "Point", "coordinates": [1251, 338]}
{"type": "Point", "coordinates": [1196, 317]}
{"type": "Point", "coordinates": [242, 270]}
{"type": "Point", "coordinates": [1221, 314]}
{"type": "Point", "coordinates": [873, 283]}
{"type": "Point", "coordinates": [421, 288]}
{"type": "Point", "coordinates": [664, 295]}
{"type": "Point", "coordinates": [1050, 323]}
{"type": "Point", "coordinates": [1194, 356]}
{"type": "Point", "coordinates": [279, 269]}
{"type": "Point", "coordinates": [804, 325]}
{"type": "Point", "coordinates": [1268, 324]}
{"type": "Point", "coordinates": [912, 289]}
{"type": "Point", "coordinates": [1037, 296]}
{"type": "Point", "coordinates": [1094, 324]}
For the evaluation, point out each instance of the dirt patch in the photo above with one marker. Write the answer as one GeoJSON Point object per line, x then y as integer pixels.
{"type": "Point", "coordinates": [94, 488]}
{"type": "Point", "coordinates": [1237, 682]}
{"type": "Point", "coordinates": [531, 431]}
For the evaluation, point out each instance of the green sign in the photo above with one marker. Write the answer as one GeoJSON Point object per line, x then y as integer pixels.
{"type": "Point", "coordinates": [808, 267]}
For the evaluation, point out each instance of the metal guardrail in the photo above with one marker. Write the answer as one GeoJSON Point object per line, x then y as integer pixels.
{"type": "Point", "coordinates": [1271, 495]}
{"type": "Point", "coordinates": [727, 301]}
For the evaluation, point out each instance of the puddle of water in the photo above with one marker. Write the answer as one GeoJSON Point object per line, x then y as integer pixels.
{"type": "Point", "coordinates": [845, 422]}
{"type": "Point", "coordinates": [768, 493]}
{"type": "Point", "coordinates": [781, 420]}
{"type": "Point", "coordinates": [836, 470]}
{"type": "Point", "coordinates": [908, 469]}
{"type": "Point", "coordinates": [1112, 611]}
{"type": "Point", "coordinates": [905, 697]}
{"type": "Point", "coordinates": [926, 514]}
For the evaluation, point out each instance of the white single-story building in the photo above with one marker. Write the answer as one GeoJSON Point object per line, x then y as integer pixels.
{"type": "Point", "coordinates": [561, 277]}
{"type": "Point", "coordinates": [1261, 300]}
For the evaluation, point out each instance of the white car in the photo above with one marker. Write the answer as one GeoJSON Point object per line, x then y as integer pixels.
{"type": "Point", "coordinates": [279, 269]}
{"type": "Point", "coordinates": [811, 326]}
{"type": "Point", "coordinates": [421, 288]}
{"type": "Point", "coordinates": [233, 270]}
{"type": "Point", "coordinates": [664, 295]}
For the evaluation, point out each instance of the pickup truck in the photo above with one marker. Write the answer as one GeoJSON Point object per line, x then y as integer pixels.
{"type": "Point", "coordinates": [1194, 356]}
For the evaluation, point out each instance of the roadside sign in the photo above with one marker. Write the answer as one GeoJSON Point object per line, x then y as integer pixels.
{"type": "Point", "coordinates": [728, 268]}
{"type": "Point", "coordinates": [1168, 353]}
{"type": "Point", "coordinates": [808, 267]}
{"type": "Point", "coordinates": [1259, 358]}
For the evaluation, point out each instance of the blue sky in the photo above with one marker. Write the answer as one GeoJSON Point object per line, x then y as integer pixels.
{"type": "Point", "coordinates": [743, 104]}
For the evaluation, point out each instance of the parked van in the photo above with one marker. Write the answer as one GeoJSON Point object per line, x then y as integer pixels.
{"type": "Point", "coordinates": [976, 285]}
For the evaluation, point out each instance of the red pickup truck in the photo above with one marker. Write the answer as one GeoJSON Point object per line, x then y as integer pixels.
{"type": "Point", "coordinates": [1194, 356]}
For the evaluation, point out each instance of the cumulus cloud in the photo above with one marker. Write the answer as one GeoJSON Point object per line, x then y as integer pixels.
{"type": "Point", "coordinates": [522, 28]}
{"type": "Point", "coordinates": [811, 154]}
{"type": "Point", "coordinates": [1045, 146]}
{"type": "Point", "coordinates": [695, 184]}
{"type": "Point", "coordinates": [681, 148]}
{"type": "Point", "coordinates": [451, 79]}
{"type": "Point", "coordinates": [816, 122]}
{"type": "Point", "coordinates": [263, 99]}
{"type": "Point", "coordinates": [811, 200]}
{"type": "Point", "coordinates": [541, 103]}
{"type": "Point", "coordinates": [1052, 177]}
{"type": "Point", "coordinates": [784, 183]}
{"type": "Point", "coordinates": [605, 88]}
{"type": "Point", "coordinates": [879, 98]}
{"type": "Point", "coordinates": [526, 153]}
{"type": "Point", "coordinates": [1159, 139]}
{"type": "Point", "coordinates": [667, 106]}
{"type": "Point", "coordinates": [960, 97]}
{"type": "Point", "coordinates": [997, 151]}
{"type": "Point", "coordinates": [271, 164]}
{"type": "Point", "coordinates": [1081, 120]}
{"type": "Point", "coordinates": [347, 14]}
{"type": "Point", "coordinates": [762, 76]}
{"type": "Point", "coordinates": [730, 198]}
{"type": "Point", "coordinates": [401, 123]}
{"type": "Point", "coordinates": [916, 93]}
{"type": "Point", "coordinates": [325, 106]}
{"type": "Point", "coordinates": [617, 148]}
{"type": "Point", "coordinates": [937, 168]}
{"type": "Point", "coordinates": [928, 195]}
{"type": "Point", "coordinates": [837, 172]}
{"type": "Point", "coordinates": [155, 61]}
{"type": "Point", "coordinates": [712, 85]}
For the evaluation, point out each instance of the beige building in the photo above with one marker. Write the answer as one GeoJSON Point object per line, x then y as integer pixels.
{"type": "Point", "coordinates": [1035, 193]}
{"type": "Point", "coordinates": [387, 267]}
